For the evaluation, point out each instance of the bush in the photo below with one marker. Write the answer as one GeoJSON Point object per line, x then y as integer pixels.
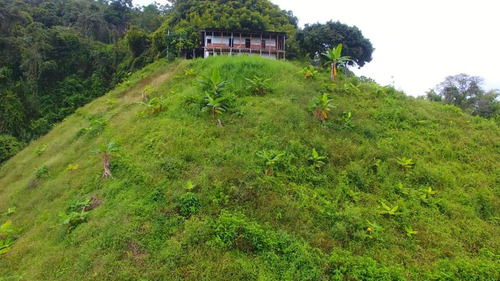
{"type": "Point", "coordinates": [9, 146]}
{"type": "Point", "coordinates": [189, 204]}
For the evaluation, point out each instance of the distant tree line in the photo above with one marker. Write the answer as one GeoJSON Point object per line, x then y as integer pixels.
{"type": "Point", "coordinates": [465, 92]}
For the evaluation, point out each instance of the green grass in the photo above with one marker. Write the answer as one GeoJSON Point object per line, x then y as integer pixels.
{"type": "Point", "coordinates": [306, 222]}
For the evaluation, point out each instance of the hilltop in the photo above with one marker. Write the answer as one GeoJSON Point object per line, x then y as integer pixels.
{"type": "Point", "coordinates": [388, 187]}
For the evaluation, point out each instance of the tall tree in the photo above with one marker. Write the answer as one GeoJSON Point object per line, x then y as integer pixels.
{"type": "Point", "coordinates": [190, 16]}
{"type": "Point", "coordinates": [315, 39]}
{"type": "Point", "coordinates": [465, 92]}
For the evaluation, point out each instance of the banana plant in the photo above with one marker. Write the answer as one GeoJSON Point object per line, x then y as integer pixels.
{"type": "Point", "coordinates": [271, 158]}
{"type": "Point", "coordinates": [106, 151]}
{"type": "Point", "coordinates": [214, 84]}
{"type": "Point", "coordinates": [427, 193]}
{"type": "Point", "coordinates": [155, 105]}
{"type": "Point", "coordinates": [317, 161]}
{"type": "Point", "coordinates": [334, 57]}
{"type": "Point", "coordinates": [309, 72]}
{"type": "Point", "coordinates": [405, 164]}
{"type": "Point", "coordinates": [258, 85]}
{"type": "Point", "coordinates": [386, 210]}
{"type": "Point", "coordinates": [321, 106]}
{"type": "Point", "coordinates": [410, 232]}
{"type": "Point", "coordinates": [214, 104]}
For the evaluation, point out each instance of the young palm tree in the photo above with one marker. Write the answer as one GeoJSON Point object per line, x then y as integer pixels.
{"type": "Point", "coordinates": [334, 57]}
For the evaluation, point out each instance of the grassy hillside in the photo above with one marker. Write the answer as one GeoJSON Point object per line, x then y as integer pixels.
{"type": "Point", "coordinates": [407, 189]}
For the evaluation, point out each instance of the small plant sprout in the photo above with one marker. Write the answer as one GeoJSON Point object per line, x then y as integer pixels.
{"type": "Point", "coordinates": [258, 85]}
{"type": "Point", "coordinates": [405, 164]}
{"type": "Point", "coordinates": [271, 158]}
{"type": "Point", "coordinates": [346, 120]}
{"type": "Point", "coordinates": [39, 150]}
{"type": "Point", "coordinates": [189, 72]}
{"type": "Point", "coordinates": [11, 210]}
{"type": "Point", "coordinates": [321, 106]}
{"type": "Point", "coordinates": [308, 72]}
{"type": "Point", "coordinates": [72, 167]}
{"type": "Point", "coordinates": [427, 193]}
{"type": "Point", "coordinates": [190, 185]}
{"type": "Point", "coordinates": [403, 189]}
{"type": "Point", "coordinates": [317, 161]}
{"type": "Point", "coordinates": [386, 210]}
{"type": "Point", "coordinates": [110, 102]}
{"type": "Point", "coordinates": [353, 195]}
{"type": "Point", "coordinates": [410, 232]}
{"type": "Point", "coordinates": [107, 150]}
{"type": "Point", "coordinates": [373, 230]}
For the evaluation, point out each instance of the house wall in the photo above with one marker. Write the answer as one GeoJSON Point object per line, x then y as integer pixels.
{"type": "Point", "coordinates": [255, 41]}
{"type": "Point", "coordinates": [220, 44]}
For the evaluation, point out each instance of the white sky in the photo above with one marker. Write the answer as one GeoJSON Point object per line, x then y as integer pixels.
{"type": "Point", "coordinates": [417, 43]}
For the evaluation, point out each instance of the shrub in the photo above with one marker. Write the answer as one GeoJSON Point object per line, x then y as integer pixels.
{"type": "Point", "coordinates": [189, 204]}
{"type": "Point", "coordinates": [7, 236]}
{"type": "Point", "coordinates": [9, 146]}
{"type": "Point", "coordinates": [42, 172]}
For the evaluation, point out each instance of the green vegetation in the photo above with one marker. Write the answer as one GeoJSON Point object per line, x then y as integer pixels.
{"type": "Point", "coordinates": [273, 195]}
{"type": "Point", "coordinates": [334, 57]}
{"type": "Point", "coordinates": [56, 56]}
{"type": "Point", "coordinates": [465, 92]}
{"type": "Point", "coordinates": [317, 38]}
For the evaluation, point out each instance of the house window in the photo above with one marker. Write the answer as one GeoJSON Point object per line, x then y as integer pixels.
{"type": "Point", "coordinates": [209, 41]}
{"type": "Point", "coordinates": [247, 43]}
{"type": "Point", "coordinates": [231, 43]}
{"type": "Point", "coordinates": [263, 44]}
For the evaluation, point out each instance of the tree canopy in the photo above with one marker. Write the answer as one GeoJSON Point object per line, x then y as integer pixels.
{"type": "Point", "coordinates": [188, 17]}
{"type": "Point", "coordinates": [315, 39]}
{"type": "Point", "coordinates": [58, 55]}
{"type": "Point", "coordinates": [465, 92]}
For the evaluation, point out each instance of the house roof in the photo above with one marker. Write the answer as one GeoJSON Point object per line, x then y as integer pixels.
{"type": "Point", "coordinates": [243, 31]}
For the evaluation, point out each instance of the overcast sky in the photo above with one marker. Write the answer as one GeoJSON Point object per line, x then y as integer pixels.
{"type": "Point", "coordinates": [417, 43]}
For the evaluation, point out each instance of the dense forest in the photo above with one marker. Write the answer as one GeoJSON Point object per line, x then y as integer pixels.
{"type": "Point", "coordinates": [57, 56]}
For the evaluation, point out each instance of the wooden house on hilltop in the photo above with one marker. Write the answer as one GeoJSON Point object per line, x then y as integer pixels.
{"type": "Point", "coordinates": [265, 44]}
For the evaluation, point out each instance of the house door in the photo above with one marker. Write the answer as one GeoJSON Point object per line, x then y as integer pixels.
{"type": "Point", "coordinates": [247, 43]}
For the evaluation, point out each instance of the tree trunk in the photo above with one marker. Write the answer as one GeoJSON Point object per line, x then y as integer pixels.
{"type": "Point", "coordinates": [106, 161]}
{"type": "Point", "coordinates": [213, 114]}
{"type": "Point", "coordinates": [334, 70]}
